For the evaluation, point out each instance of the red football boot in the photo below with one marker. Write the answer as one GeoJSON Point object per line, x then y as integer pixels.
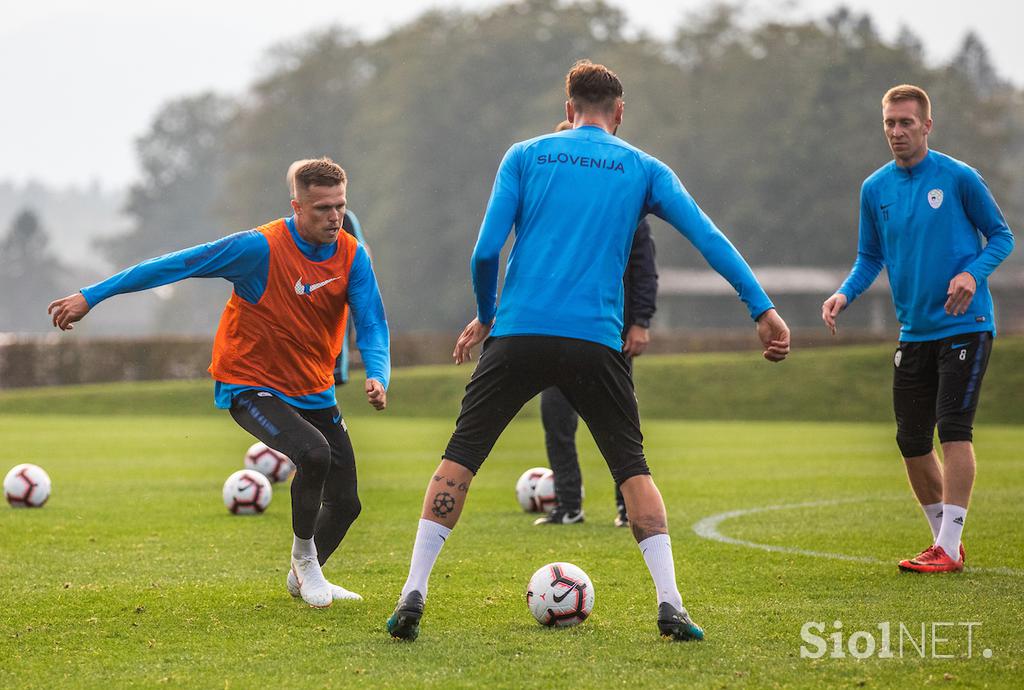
{"type": "Point", "coordinates": [934, 559]}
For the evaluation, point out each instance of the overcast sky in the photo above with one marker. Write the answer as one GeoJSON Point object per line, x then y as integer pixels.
{"type": "Point", "coordinates": [81, 80]}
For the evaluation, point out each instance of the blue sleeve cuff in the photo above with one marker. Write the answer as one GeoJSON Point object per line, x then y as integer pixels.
{"type": "Point", "coordinates": [378, 365]}
{"type": "Point", "coordinates": [90, 296]}
{"type": "Point", "coordinates": [372, 335]}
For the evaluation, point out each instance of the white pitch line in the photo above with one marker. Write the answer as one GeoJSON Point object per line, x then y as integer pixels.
{"type": "Point", "coordinates": [708, 528]}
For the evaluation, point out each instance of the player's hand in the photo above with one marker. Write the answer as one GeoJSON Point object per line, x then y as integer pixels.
{"type": "Point", "coordinates": [774, 335]}
{"type": "Point", "coordinates": [961, 292]}
{"type": "Point", "coordinates": [637, 339]}
{"type": "Point", "coordinates": [472, 335]}
{"type": "Point", "coordinates": [830, 309]}
{"type": "Point", "coordinates": [376, 395]}
{"type": "Point", "coordinates": [67, 310]}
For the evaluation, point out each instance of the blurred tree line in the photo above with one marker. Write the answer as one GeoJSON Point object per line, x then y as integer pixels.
{"type": "Point", "coordinates": [771, 127]}
{"type": "Point", "coordinates": [28, 273]}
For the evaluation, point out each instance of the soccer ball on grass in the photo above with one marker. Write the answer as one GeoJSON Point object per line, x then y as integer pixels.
{"type": "Point", "coordinates": [560, 595]}
{"type": "Point", "coordinates": [544, 496]}
{"type": "Point", "coordinates": [247, 492]}
{"type": "Point", "coordinates": [526, 488]}
{"type": "Point", "coordinates": [27, 486]}
{"type": "Point", "coordinates": [275, 466]}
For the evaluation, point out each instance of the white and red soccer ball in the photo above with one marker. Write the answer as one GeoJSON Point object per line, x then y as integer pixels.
{"type": "Point", "coordinates": [535, 490]}
{"type": "Point", "coordinates": [27, 486]}
{"type": "Point", "coordinates": [247, 492]}
{"type": "Point", "coordinates": [560, 595]}
{"type": "Point", "coordinates": [275, 466]}
{"type": "Point", "coordinates": [544, 496]}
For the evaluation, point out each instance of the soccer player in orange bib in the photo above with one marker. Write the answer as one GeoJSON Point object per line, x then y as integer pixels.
{"type": "Point", "coordinates": [294, 280]}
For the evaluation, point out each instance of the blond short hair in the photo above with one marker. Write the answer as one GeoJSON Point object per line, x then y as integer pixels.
{"type": "Point", "coordinates": [308, 172]}
{"type": "Point", "coordinates": [909, 92]}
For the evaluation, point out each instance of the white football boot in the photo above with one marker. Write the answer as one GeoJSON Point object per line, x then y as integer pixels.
{"type": "Point", "coordinates": [310, 583]}
{"type": "Point", "coordinates": [337, 591]}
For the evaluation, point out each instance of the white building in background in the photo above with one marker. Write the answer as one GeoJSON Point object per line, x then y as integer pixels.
{"type": "Point", "coordinates": [702, 299]}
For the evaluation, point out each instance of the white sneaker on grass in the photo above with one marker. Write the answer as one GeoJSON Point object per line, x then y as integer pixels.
{"type": "Point", "coordinates": [314, 589]}
{"type": "Point", "coordinates": [337, 591]}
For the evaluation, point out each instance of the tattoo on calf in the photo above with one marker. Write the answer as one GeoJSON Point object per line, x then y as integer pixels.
{"type": "Point", "coordinates": [444, 503]}
{"type": "Point", "coordinates": [449, 482]}
{"type": "Point", "coordinates": [642, 529]}
{"type": "Point", "coordinates": [463, 487]}
{"type": "Point", "coordinates": [438, 477]}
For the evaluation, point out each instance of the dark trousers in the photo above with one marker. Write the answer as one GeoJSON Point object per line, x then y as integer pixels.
{"type": "Point", "coordinates": [560, 421]}
{"type": "Point", "coordinates": [937, 383]}
{"type": "Point", "coordinates": [513, 369]}
{"type": "Point", "coordinates": [325, 501]}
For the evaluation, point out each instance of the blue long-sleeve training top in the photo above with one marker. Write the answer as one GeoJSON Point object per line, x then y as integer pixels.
{"type": "Point", "coordinates": [924, 225]}
{"type": "Point", "coordinates": [350, 224]}
{"type": "Point", "coordinates": [575, 199]}
{"type": "Point", "coordinates": [244, 260]}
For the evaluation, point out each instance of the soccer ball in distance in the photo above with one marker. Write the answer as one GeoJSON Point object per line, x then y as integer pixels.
{"type": "Point", "coordinates": [270, 463]}
{"type": "Point", "coordinates": [247, 492]}
{"type": "Point", "coordinates": [544, 493]}
{"type": "Point", "coordinates": [560, 595]}
{"type": "Point", "coordinates": [27, 486]}
{"type": "Point", "coordinates": [526, 486]}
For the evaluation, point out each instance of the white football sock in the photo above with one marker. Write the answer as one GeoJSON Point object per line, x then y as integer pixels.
{"type": "Point", "coordinates": [430, 537]}
{"type": "Point", "coordinates": [933, 511]}
{"type": "Point", "coordinates": [953, 518]}
{"type": "Point", "coordinates": [303, 548]}
{"type": "Point", "coordinates": [657, 551]}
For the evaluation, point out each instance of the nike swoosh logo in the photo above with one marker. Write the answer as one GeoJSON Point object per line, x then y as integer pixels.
{"type": "Point", "coordinates": [335, 419]}
{"type": "Point", "coordinates": [957, 346]}
{"type": "Point", "coordinates": [302, 289]}
{"type": "Point", "coordinates": [559, 599]}
{"type": "Point", "coordinates": [885, 206]}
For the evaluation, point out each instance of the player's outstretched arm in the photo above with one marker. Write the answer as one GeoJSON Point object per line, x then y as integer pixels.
{"type": "Point", "coordinates": [376, 395]}
{"type": "Point", "coordinates": [240, 258]}
{"type": "Point", "coordinates": [830, 309]}
{"type": "Point", "coordinates": [68, 310]}
{"type": "Point", "coordinates": [774, 335]}
{"type": "Point", "coordinates": [472, 335]}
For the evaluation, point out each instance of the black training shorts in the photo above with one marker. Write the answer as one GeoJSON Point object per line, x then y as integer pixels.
{"type": "Point", "coordinates": [513, 369]}
{"type": "Point", "coordinates": [938, 382]}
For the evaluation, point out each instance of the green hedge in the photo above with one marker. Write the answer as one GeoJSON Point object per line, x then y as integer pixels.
{"type": "Point", "coordinates": [823, 384]}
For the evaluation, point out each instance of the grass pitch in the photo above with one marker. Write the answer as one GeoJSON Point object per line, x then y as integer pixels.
{"type": "Point", "coordinates": [134, 574]}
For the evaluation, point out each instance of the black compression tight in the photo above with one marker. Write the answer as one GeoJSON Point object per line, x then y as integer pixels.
{"type": "Point", "coordinates": [325, 501]}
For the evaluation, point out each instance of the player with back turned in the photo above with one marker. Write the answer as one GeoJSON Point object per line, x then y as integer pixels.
{"type": "Point", "coordinates": [921, 217]}
{"type": "Point", "coordinates": [575, 199]}
{"type": "Point", "coordinates": [640, 291]}
{"type": "Point", "coordinates": [274, 353]}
